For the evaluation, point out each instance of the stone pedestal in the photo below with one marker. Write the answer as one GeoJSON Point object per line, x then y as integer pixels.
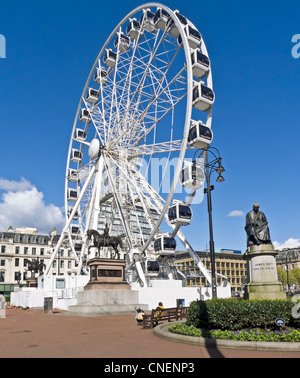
{"type": "Point", "coordinates": [107, 274]}
{"type": "Point", "coordinates": [263, 279]}
{"type": "Point", "coordinates": [31, 282]}
{"type": "Point", "coordinates": [107, 292]}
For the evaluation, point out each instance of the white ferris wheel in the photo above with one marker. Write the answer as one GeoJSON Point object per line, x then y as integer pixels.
{"type": "Point", "coordinates": [148, 98]}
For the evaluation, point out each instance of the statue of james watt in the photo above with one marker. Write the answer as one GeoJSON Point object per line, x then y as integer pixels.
{"type": "Point", "coordinates": [257, 227]}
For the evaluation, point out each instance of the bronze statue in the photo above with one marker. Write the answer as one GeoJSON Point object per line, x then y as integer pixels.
{"type": "Point", "coordinates": [104, 240]}
{"type": "Point", "coordinates": [257, 227]}
{"type": "Point", "coordinates": [35, 266]}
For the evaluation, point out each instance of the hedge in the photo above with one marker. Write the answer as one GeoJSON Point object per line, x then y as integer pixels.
{"type": "Point", "coordinates": [236, 314]}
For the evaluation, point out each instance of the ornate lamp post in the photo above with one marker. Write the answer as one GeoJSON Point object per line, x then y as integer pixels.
{"type": "Point", "coordinates": [211, 165]}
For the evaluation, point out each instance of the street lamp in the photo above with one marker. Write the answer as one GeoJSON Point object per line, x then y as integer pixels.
{"type": "Point", "coordinates": [287, 260]}
{"type": "Point", "coordinates": [210, 166]}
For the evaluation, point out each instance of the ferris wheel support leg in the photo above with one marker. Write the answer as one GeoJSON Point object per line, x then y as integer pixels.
{"type": "Point", "coordinates": [194, 256]}
{"type": "Point", "coordinates": [98, 171]}
{"type": "Point", "coordinates": [116, 197]}
{"type": "Point", "coordinates": [64, 231]}
{"type": "Point", "coordinates": [141, 273]}
{"type": "Point", "coordinates": [168, 269]}
{"type": "Point", "coordinates": [94, 207]}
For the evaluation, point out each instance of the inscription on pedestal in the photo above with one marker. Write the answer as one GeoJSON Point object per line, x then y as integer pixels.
{"type": "Point", "coordinates": [109, 273]}
{"type": "Point", "coordinates": [263, 268]}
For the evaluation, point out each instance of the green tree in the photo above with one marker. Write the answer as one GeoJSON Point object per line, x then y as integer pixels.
{"type": "Point", "coordinates": [294, 276]}
{"type": "Point", "coordinates": [282, 275]}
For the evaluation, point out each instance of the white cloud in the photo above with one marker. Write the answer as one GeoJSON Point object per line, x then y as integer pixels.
{"type": "Point", "coordinates": [290, 243]}
{"type": "Point", "coordinates": [22, 205]}
{"type": "Point", "coordinates": [14, 186]}
{"type": "Point", "coordinates": [236, 213]}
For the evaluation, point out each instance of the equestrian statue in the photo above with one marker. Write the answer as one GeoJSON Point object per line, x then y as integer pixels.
{"type": "Point", "coordinates": [35, 266]}
{"type": "Point", "coordinates": [104, 240]}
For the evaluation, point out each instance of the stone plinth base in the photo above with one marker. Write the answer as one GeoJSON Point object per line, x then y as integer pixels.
{"type": "Point", "coordinates": [106, 302]}
{"type": "Point", "coordinates": [264, 282]}
{"type": "Point", "coordinates": [265, 290]}
{"type": "Point", "coordinates": [107, 274]}
{"type": "Point", "coordinates": [31, 282]}
{"type": "Point", "coordinates": [107, 286]}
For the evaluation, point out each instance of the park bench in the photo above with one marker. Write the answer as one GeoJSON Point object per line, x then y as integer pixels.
{"type": "Point", "coordinates": [173, 313]}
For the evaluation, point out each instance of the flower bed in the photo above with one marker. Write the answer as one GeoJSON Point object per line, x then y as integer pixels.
{"type": "Point", "coordinates": [288, 335]}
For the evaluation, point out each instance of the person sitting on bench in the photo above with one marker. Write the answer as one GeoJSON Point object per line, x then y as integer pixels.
{"type": "Point", "coordinates": [159, 311]}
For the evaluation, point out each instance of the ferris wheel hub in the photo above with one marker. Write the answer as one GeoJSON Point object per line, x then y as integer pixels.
{"type": "Point", "coordinates": [94, 149]}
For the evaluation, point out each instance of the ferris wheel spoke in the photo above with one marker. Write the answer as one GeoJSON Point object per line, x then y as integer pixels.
{"type": "Point", "coordinates": [143, 134]}
{"type": "Point", "coordinates": [141, 85]}
{"type": "Point", "coordinates": [118, 203]}
{"type": "Point", "coordinates": [149, 149]}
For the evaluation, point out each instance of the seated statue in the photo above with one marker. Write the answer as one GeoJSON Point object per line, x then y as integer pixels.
{"type": "Point", "coordinates": [257, 227]}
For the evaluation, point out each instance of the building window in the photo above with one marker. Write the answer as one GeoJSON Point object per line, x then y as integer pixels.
{"type": "Point", "coordinates": [42, 251]}
{"type": "Point", "coordinates": [17, 238]}
{"type": "Point", "coordinates": [3, 247]}
{"type": "Point", "coordinates": [25, 250]}
{"type": "Point", "coordinates": [60, 283]}
{"type": "Point", "coordinates": [17, 262]}
{"type": "Point", "coordinates": [34, 251]}
{"type": "Point", "coordinates": [69, 264]}
{"type": "Point", "coordinates": [17, 250]}
{"type": "Point", "coordinates": [2, 276]}
{"type": "Point", "coordinates": [2, 262]}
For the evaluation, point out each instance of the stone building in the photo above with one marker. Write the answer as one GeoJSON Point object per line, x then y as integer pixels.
{"type": "Point", "coordinates": [17, 245]}
{"type": "Point", "coordinates": [289, 259]}
{"type": "Point", "coordinates": [230, 264]}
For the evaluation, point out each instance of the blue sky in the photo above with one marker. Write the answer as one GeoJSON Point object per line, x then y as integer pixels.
{"type": "Point", "coordinates": [50, 49]}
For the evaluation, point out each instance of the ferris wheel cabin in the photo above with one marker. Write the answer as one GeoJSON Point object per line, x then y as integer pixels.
{"type": "Point", "coordinates": [161, 18]}
{"type": "Point", "coordinates": [200, 64]}
{"type": "Point", "coordinates": [122, 42]}
{"type": "Point", "coordinates": [76, 155]}
{"type": "Point", "coordinates": [134, 29]}
{"type": "Point", "coordinates": [192, 175]}
{"type": "Point", "coordinates": [74, 229]}
{"type": "Point", "coordinates": [200, 135]}
{"type": "Point", "coordinates": [203, 97]}
{"type": "Point", "coordinates": [110, 58]}
{"type": "Point", "coordinates": [100, 76]}
{"type": "Point", "coordinates": [69, 211]}
{"type": "Point", "coordinates": [80, 135]}
{"type": "Point", "coordinates": [152, 269]}
{"type": "Point", "coordinates": [73, 175]}
{"type": "Point", "coordinates": [147, 21]}
{"type": "Point", "coordinates": [85, 116]}
{"type": "Point", "coordinates": [173, 28]}
{"type": "Point", "coordinates": [92, 95]}
{"type": "Point", "coordinates": [193, 37]}
{"type": "Point", "coordinates": [165, 245]}
{"type": "Point", "coordinates": [72, 195]}
{"type": "Point", "coordinates": [180, 213]}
